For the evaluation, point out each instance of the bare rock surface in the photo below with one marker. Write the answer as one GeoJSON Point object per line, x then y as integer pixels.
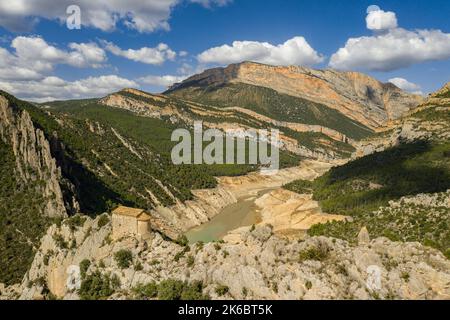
{"type": "Point", "coordinates": [257, 265]}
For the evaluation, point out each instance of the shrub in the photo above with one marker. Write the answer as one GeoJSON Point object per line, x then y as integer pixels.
{"type": "Point", "coordinates": [75, 222]}
{"type": "Point", "coordinates": [222, 290]}
{"type": "Point", "coordinates": [138, 266]}
{"type": "Point", "coordinates": [84, 266]}
{"type": "Point", "coordinates": [308, 285]}
{"type": "Point", "coordinates": [147, 291]}
{"type": "Point", "coordinates": [319, 253]}
{"type": "Point", "coordinates": [96, 286]}
{"type": "Point", "coordinates": [123, 258]}
{"type": "Point", "coordinates": [178, 290]}
{"type": "Point", "coordinates": [60, 242]}
{"type": "Point", "coordinates": [405, 276]}
{"type": "Point", "coordinates": [47, 257]}
{"type": "Point", "coordinates": [193, 291]}
{"type": "Point", "coordinates": [170, 289]}
{"type": "Point", "coordinates": [190, 261]}
{"type": "Point", "coordinates": [182, 241]}
{"type": "Point", "coordinates": [103, 221]}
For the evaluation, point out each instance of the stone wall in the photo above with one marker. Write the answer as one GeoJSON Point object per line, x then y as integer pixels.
{"type": "Point", "coordinates": [123, 226]}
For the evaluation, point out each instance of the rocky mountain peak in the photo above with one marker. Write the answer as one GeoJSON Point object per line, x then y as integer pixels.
{"type": "Point", "coordinates": [356, 95]}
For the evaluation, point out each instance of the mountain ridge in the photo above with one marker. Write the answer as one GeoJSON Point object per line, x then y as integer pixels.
{"type": "Point", "coordinates": [356, 95]}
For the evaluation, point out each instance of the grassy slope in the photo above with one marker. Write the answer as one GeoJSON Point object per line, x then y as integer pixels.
{"type": "Point", "coordinates": [275, 105]}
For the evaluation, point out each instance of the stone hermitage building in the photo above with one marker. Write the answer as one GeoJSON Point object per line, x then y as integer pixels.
{"type": "Point", "coordinates": [130, 222]}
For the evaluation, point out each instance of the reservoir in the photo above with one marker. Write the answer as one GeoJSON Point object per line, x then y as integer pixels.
{"type": "Point", "coordinates": [240, 214]}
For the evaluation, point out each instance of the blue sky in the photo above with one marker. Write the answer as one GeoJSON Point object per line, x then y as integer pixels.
{"type": "Point", "coordinates": [119, 43]}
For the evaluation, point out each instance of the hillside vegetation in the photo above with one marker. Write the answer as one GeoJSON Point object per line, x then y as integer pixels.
{"type": "Point", "coordinates": [361, 187]}
{"type": "Point", "coordinates": [218, 116]}
{"type": "Point", "coordinates": [275, 105]}
{"type": "Point", "coordinates": [21, 225]}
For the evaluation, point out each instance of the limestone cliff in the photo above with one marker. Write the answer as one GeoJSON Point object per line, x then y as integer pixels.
{"type": "Point", "coordinates": [429, 121]}
{"type": "Point", "coordinates": [34, 161]}
{"type": "Point", "coordinates": [355, 95]}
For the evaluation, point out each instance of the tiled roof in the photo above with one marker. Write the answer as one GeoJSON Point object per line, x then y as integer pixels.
{"type": "Point", "coordinates": [144, 217]}
{"type": "Point", "coordinates": [127, 211]}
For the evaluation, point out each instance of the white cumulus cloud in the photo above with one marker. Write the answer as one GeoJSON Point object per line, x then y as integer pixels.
{"type": "Point", "coordinates": [140, 15]}
{"type": "Point", "coordinates": [154, 56]}
{"type": "Point", "coordinates": [396, 49]}
{"type": "Point", "coordinates": [54, 88]}
{"type": "Point", "coordinates": [143, 16]}
{"type": "Point", "coordinates": [406, 85]}
{"type": "Point", "coordinates": [295, 51]}
{"type": "Point", "coordinates": [32, 57]}
{"type": "Point", "coordinates": [390, 48]}
{"type": "Point", "coordinates": [161, 81]}
{"type": "Point", "coordinates": [381, 20]}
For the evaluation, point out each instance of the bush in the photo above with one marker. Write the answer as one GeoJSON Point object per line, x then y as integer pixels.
{"type": "Point", "coordinates": [178, 290]}
{"type": "Point", "coordinates": [148, 291]}
{"type": "Point", "coordinates": [308, 285]}
{"type": "Point", "coordinates": [123, 258]}
{"type": "Point", "coordinates": [222, 290]}
{"type": "Point", "coordinates": [193, 291]}
{"type": "Point", "coordinates": [47, 257]}
{"type": "Point", "coordinates": [182, 241]}
{"type": "Point", "coordinates": [170, 289]}
{"type": "Point", "coordinates": [96, 286]}
{"type": "Point", "coordinates": [190, 261]}
{"type": "Point", "coordinates": [75, 222]}
{"type": "Point", "coordinates": [84, 266]}
{"type": "Point", "coordinates": [60, 242]}
{"type": "Point", "coordinates": [138, 266]}
{"type": "Point", "coordinates": [103, 221]}
{"type": "Point", "coordinates": [319, 253]}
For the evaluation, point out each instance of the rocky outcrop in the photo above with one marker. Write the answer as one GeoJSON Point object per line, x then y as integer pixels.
{"type": "Point", "coordinates": [292, 214]}
{"type": "Point", "coordinates": [259, 265]}
{"type": "Point", "coordinates": [34, 161]}
{"type": "Point", "coordinates": [428, 121]}
{"type": "Point", "coordinates": [356, 95]}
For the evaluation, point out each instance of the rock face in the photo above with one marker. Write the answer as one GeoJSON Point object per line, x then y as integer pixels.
{"type": "Point", "coordinates": [292, 214]}
{"type": "Point", "coordinates": [429, 121]}
{"type": "Point", "coordinates": [259, 265]}
{"type": "Point", "coordinates": [356, 95]}
{"type": "Point", "coordinates": [34, 161]}
{"type": "Point", "coordinates": [363, 236]}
